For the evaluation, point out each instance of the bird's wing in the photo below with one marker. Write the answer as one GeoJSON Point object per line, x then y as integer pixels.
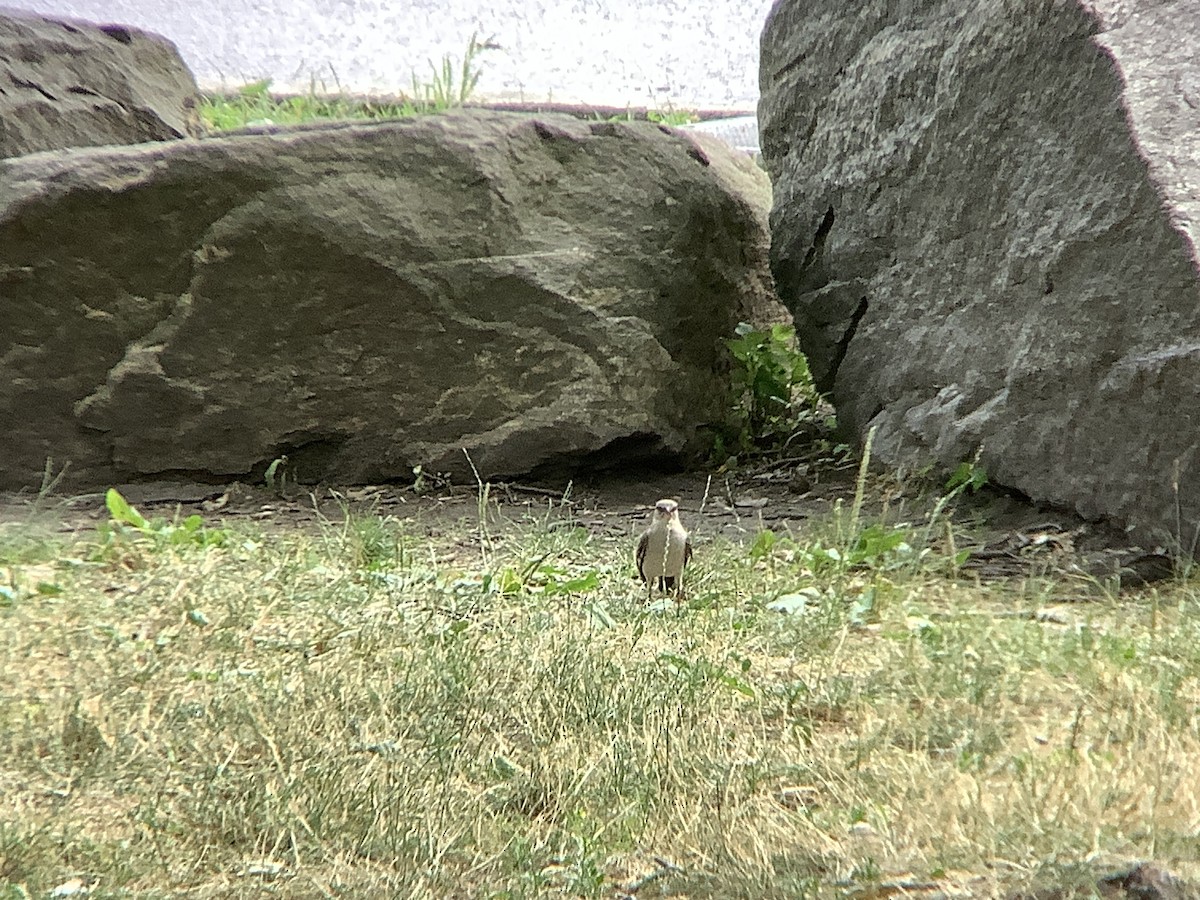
{"type": "Point", "coordinates": [643, 543]}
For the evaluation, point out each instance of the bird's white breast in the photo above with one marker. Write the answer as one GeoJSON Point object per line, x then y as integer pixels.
{"type": "Point", "coordinates": [654, 565]}
{"type": "Point", "coordinates": [676, 544]}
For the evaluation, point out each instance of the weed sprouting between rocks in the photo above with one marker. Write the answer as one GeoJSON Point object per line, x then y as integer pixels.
{"type": "Point", "coordinates": [776, 407]}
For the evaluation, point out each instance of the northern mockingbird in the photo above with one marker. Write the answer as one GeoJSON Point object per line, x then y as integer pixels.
{"type": "Point", "coordinates": [664, 550]}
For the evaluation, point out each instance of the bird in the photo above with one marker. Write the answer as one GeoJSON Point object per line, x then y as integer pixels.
{"type": "Point", "coordinates": [663, 550]}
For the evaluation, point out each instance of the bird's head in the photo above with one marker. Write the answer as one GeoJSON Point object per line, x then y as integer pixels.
{"type": "Point", "coordinates": [666, 509]}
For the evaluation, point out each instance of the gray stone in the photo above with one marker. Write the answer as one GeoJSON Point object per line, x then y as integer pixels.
{"type": "Point", "coordinates": [985, 224]}
{"type": "Point", "coordinates": [366, 298]}
{"type": "Point", "coordinates": [73, 84]}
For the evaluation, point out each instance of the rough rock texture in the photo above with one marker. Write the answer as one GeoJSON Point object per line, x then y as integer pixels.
{"type": "Point", "coordinates": [367, 298]}
{"type": "Point", "coordinates": [71, 84]}
{"type": "Point", "coordinates": [985, 223]}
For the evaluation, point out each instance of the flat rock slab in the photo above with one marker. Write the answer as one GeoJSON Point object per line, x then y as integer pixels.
{"type": "Point", "coordinates": [365, 299]}
{"type": "Point", "coordinates": [985, 222]}
{"type": "Point", "coordinates": [73, 84]}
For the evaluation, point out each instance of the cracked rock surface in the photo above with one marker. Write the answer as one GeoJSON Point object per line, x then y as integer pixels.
{"type": "Point", "coordinates": [985, 222]}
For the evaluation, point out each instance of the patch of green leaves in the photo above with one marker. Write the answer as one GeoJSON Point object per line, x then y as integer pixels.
{"type": "Point", "coordinates": [543, 577]}
{"type": "Point", "coordinates": [969, 476]}
{"type": "Point", "coordinates": [128, 526]}
{"type": "Point", "coordinates": [772, 385]}
{"type": "Point", "coordinates": [700, 672]}
{"type": "Point", "coordinates": [874, 546]}
{"type": "Point", "coordinates": [877, 546]}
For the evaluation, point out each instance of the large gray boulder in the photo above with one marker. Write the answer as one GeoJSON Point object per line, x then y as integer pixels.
{"type": "Point", "coordinates": [540, 291]}
{"type": "Point", "coordinates": [985, 224]}
{"type": "Point", "coordinates": [73, 84]}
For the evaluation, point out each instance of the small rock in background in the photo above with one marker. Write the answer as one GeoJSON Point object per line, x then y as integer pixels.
{"type": "Point", "coordinates": [74, 84]}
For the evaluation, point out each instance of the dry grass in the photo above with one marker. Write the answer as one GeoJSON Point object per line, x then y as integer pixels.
{"type": "Point", "coordinates": [368, 711]}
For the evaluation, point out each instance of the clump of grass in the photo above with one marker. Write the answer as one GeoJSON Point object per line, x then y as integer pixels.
{"type": "Point", "coordinates": [369, 709]}
{"type": "Point", "coordinates": [668, 116]}
{"type": "Point", "coordinates": [450, 84]}
{"type": "Point", "coordinates": [254, 104]}
{"type": "Point", "coordinates": [672, 116]}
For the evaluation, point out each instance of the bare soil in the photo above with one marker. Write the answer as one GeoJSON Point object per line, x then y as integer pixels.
{"type": "Point", "coordinates": [1009, 537]}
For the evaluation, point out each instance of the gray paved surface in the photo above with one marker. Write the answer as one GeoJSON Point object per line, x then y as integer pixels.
{"type": "Point", "coordinates": [700, 54]}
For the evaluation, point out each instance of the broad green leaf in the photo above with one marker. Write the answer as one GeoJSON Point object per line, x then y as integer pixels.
{"type": "Point", "coordinates": [121, 511]}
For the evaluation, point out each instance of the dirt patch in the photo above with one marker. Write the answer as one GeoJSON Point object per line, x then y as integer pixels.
{"type": "Point", "coordinates": [1007, 536]}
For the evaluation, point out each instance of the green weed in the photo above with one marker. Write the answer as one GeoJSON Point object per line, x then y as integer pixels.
{"type": "Point", "coordinates": [772, 387]}
{"type": "Point", "coordinates": [969, 476]}
{"type": "Point", "coordinates": [276, 475]}
{"type": "Point", "coordinates": [128, 528]}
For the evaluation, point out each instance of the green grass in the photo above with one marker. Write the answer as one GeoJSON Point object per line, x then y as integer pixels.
{"type": "Point", "coordinates": [366, 709]}
{"type": "Point", "coordinates": [253, 104]}
{"type": "Point", "coordinates": [669, 116]}
{"type": "Point", "coordinates": [449, 84]}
